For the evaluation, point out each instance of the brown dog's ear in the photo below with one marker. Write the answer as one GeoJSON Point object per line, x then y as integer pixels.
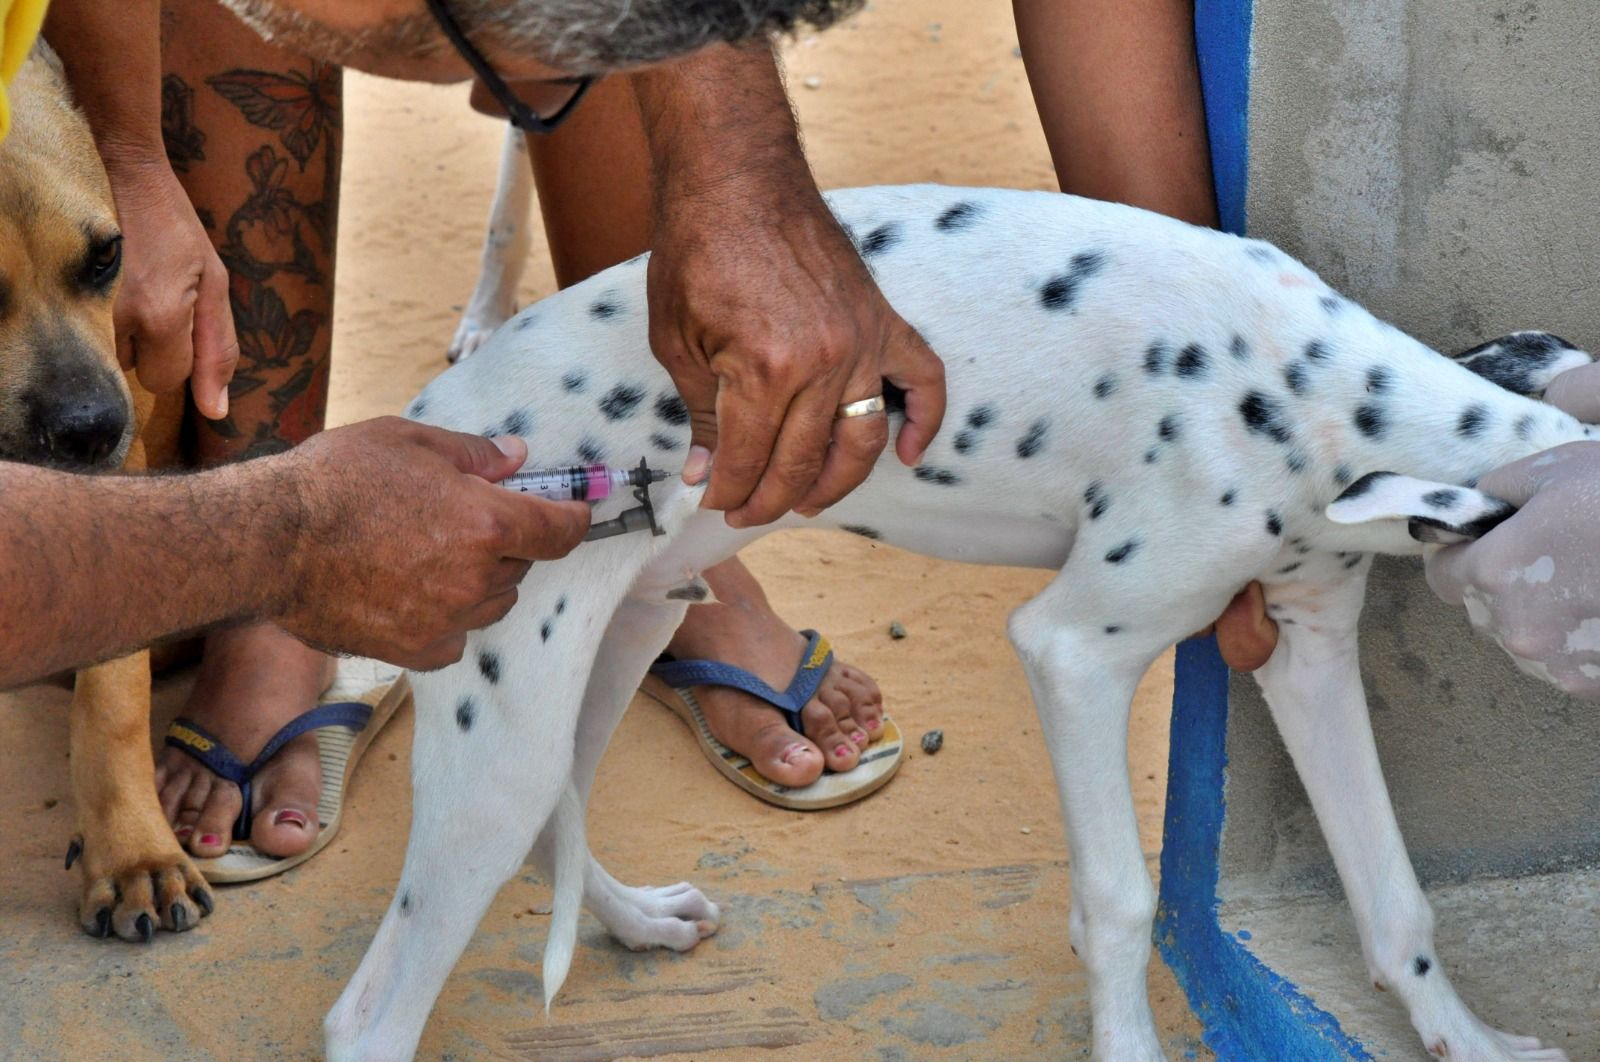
{"type": "Point", "coordinates": [1433, 512]}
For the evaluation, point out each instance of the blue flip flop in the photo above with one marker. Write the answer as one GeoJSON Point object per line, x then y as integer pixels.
{"type": "Point", "coordinates": [344, 729]}
{"type": "Point", "coordinates": [671, 682]}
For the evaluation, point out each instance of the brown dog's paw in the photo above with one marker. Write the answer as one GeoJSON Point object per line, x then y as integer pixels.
{"type": "Point", "coordinates": [133, 895]}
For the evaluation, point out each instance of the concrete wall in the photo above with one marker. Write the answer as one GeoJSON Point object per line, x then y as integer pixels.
{"type": "Point", "coordinates": [1437, 161]}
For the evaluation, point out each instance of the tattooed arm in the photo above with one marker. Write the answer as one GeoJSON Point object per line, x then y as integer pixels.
{"type": "Point", "coordinates": [324, 539]}
{"type": "Point", "coordinates": [172, 315]}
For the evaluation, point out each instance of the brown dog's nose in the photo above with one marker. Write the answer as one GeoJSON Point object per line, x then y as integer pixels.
{"type": "Point", "coordinates": [83, 431]}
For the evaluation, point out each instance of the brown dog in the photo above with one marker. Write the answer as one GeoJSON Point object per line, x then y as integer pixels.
{"type": "Point", "coordinates": [65, 403]}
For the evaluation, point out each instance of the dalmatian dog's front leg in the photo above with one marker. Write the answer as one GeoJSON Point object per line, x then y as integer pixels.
{"type": "Point", "coordinates": [1084, 643]}
{"type": "Point", "coordinates": [1313, 686]}
{"type": "Point", "coordinates": [505, 250]}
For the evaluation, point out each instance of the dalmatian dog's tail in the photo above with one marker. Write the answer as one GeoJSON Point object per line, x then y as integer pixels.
{"type": "Point", "coordinates": [571, 860]}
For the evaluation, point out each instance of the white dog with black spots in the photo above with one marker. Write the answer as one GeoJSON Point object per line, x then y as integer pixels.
{"type": "Point", "coordinates": [1159, 412]}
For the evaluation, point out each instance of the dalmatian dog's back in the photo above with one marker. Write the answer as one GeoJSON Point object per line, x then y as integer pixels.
{"type": "Point", "coordinates": [1159, 411]}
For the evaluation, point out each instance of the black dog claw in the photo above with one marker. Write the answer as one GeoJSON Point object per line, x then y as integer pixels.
{"type": "Point", "coordinates": [74, 850]}
{"type": "Point", "coordinates": [203, 898]}
{"type": "Point", "coordinates": [146, 927]}
{"type": "Point", "coordinates": [102, 923]}
{"type": "Point", "coordinates": [180, 917]}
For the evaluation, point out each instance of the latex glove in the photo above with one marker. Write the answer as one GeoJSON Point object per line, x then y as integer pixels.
{"type": "Point", "coordinates": [1533, 583]}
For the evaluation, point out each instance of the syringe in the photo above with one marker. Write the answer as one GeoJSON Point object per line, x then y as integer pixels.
{"type": "Point", "coordinates": [591, 483]}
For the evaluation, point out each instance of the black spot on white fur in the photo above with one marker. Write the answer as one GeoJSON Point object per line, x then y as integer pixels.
{"type": "Point", "coordinates": [604, 309]}
{"type": "Point", "coordinates": [1379, 380]}
{"type": "Point", "coordinates": [545, 629]}
{"type": "Point", "coordinates": [1351, 562]}
{"type": "Point", "coordinates": [1442, 499]}
{"type": "Point", "coordinates": [561, 604]}
{"type": "Point", "coordinates": [1170, 427]}
{"type": "Point", "coordinates": [1263, 253]}
{"type": "Point", "coordinates": [880, 239]}
{"type": "Point", "coordinates": [590, 452]}
{"type": "Point", "coordinates": [863, 531]}
{"type": "Point", "coordinates": [957, 217]}
{"type": "Point", "coordinates": [1031, 443]}
{"type": "Point", "coordinates": [621, 402]}
{"type": "Point", "coordinates": [670, 408]}
{"type": "Point", "coordinates": [405, 902]}
{"type": "Point", "coordinates": [1332, 304]}
{"type": "Point", "coordinates": [1105, 387]}
{"type": "Point", "coordinates": [1294, 375]}
{"type": "Point", "coordinates": [574, 382]}
{"type": "Point", "coordinates": [1112, 628]}
{"type": "Point", "coordinates": [1421, 966]}
{"type": "Point", "coordinates": [418, 407]}
{"type": "Point", "coordinates": [1274, 524]}
{"type": "Point", "coordinates": [1061, 291]}
{"type": "Point", "coordinates": [1523, 427]}
{"type": "Point", "coordinates": [1363, 485]}
{"type": "Point", "coordinates": [518, 423]}
{"type": "Point", "coordinates": [967, 439]}
{"type": "Point", "coordinates": [1264, 416]}
{"type": "Point", "coordinates": [1192, 362]}
{"type": "Point", "coordinates": [1094, 496]}
{"type": "Point", "coordinates": [1239, 348]}
{"type": "Point", "coordinates": [1370, 421]}
{"type": "Point", "coordinates": [1474, 419]}
{"type": "Point", "coordinates": [1122, 552]}
{"type": "Point", "coordinates": [941, 476]}
{"type": "Point", "coordinates": [1228, 497]}
{"type": "Point", "coordinates": [465, 711]}
{"type": "Point", "coordinates": [1342, 476]}
{"type": "Point", "coordinates": [489, 666]}
{"type": "Point", "coordinates": [1286, 569]}
{"type": "Point", "coordinates": [664, 443]}
{"type": "Point", "coordinates": [1156, 357]}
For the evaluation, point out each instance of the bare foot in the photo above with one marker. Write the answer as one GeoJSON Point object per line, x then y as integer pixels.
{"type": "Point", "coordinates": [741, 629]}
{"type": "Point", "coordinates": [252, 681]}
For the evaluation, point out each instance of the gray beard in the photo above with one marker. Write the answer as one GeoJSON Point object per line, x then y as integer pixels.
{"type": "Point", "coordinates": [413, 36]}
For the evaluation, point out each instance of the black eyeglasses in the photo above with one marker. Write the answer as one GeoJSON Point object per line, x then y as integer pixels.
{"type": "Point", "coordinates": [521, 115]}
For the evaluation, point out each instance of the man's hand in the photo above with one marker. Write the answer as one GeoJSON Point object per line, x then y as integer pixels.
{"type": "Point", "coordinates": [1533, 583]}
{"type": "Point", "coordinates": [760, 308]}
{"type": "Point", "coordinates": [404, 542]}
{"type": "Point", "coordinates": [172, 315]}
{"type": "Point", "coordinates": [767, 320]}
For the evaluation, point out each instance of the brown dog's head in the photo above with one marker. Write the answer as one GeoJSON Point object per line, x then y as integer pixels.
{"type": "Point", "coordinates": [63, 399]}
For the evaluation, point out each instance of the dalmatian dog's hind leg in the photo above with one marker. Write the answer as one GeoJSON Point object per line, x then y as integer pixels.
{"type": "Point", "coordinates": [1084, 644]}
{"type": "Point", "coordinates": [674, 916]}
{"type": "Point", "coordinates": [1313, 686]}
{"type": "Point", "coordinates": [505, 250]}
{"type": "Point", "coordinates": [491, 764]}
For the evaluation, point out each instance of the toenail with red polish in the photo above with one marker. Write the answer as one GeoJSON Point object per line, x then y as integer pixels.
{"type": "Point", "coordinates": [872, 724]}
{"type": "Point", "coordinates": [182, 832]}
{"type": "Point", "coordinates": [210, 840]}
{"type": "Point", "coordinates": [841, 750]}
{"type": "Point", "coordinates": [859, 737]}
{"type": "Point", "coordinates": [289, 815]}
{"type": "Point", "coordinates": [793, 752]}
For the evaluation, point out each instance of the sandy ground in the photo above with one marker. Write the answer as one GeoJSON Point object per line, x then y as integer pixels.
{"type": "Point", "coordinates": [928, 921]}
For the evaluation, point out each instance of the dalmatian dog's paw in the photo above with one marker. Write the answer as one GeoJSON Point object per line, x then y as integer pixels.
{"type": "Point", "coordinates": [671, 916]}
{"type": "Point", "coordinates": [133, 882]}
{"type": "Point", "coordinates": [1473, 1041]}
{"type": "Point", "coordinates": [477, 325]}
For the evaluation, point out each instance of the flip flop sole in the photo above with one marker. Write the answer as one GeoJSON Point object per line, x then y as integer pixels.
{"type": "Point", "coordinates": [339, 750]}
{"type": "Point", "coordinates": [872, 772]}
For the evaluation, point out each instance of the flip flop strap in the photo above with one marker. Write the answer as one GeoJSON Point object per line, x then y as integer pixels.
{"type": "Point", "coordinates": [196, 741]}
{"type": "Point", "coordinates": [814, 664]}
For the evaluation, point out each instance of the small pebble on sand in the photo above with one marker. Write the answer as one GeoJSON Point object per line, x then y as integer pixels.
{"type": "Point", "coordinates": [812, 82]}
{"type": "Point", "coordinates": [1027, 829]}
{"type": "Point", "coordinates": [897, 630]}
{"type": "Point", "coordinates": [932, 741]}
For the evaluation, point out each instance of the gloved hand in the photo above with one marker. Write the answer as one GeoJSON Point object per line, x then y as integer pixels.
{"type": "Point", "coordinates": [1533, 583]}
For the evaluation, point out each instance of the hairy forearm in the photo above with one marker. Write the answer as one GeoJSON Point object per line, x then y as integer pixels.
{"type": "Point", "coordinates": [719, 120]}
{"type": "Point", "coordinates": [95, 566]}
{"type": "Point", "coordinates": [1118, 91]}
{"type": "Point", "coordinates": [112, 53]}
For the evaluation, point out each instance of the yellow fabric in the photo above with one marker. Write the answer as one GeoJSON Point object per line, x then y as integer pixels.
{"type": "Point", "coordinates": [19, 28]}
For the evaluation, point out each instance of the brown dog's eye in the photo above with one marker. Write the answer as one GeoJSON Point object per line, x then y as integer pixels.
{"type": "Point", "coordinates": [105, 260]}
